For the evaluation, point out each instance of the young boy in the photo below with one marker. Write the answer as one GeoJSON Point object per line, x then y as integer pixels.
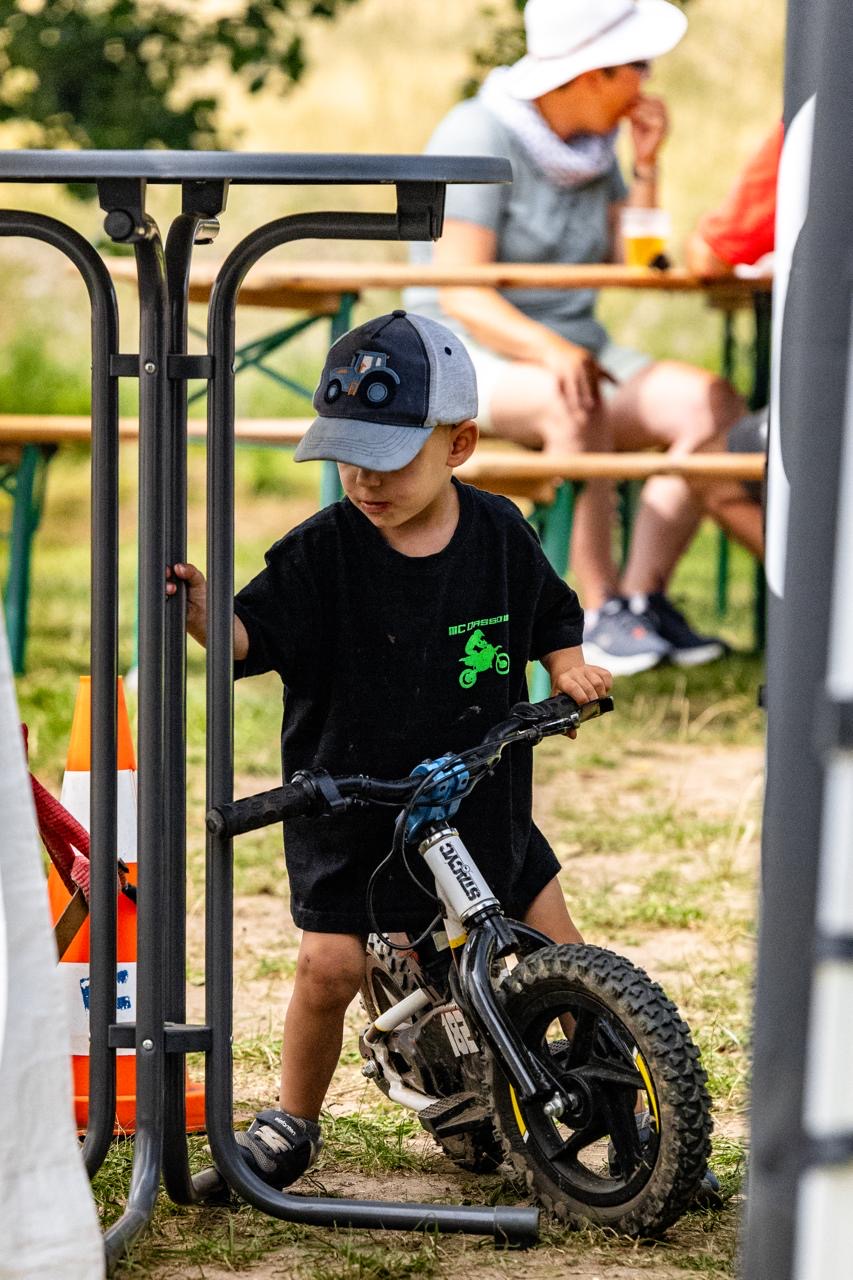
{"type": "Point", "coordinates": [368, 612]}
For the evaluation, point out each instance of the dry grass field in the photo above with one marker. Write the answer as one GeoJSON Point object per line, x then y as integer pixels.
{"type": "Point", "coordinates": [654, 812]}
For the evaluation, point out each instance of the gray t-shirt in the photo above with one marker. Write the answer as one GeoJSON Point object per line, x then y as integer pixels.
{"type": "Point", "coordinates": [535, 221]}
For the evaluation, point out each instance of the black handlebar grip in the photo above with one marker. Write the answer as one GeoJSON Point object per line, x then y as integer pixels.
{"type": "Point", "coordinates": [561, 707]}
{"type": "Point", "coordinates": [597, 707]}
{"type": "Point", "coordinates": [561, 704]}
{"type": "Point", "coordinates": [261, 810]}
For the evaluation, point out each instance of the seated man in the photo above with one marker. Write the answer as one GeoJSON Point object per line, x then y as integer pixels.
{"type": "Point", "coordinates": [549, 376]}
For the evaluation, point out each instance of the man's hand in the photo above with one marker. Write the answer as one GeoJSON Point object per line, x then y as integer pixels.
{"type": "Point", "coordinates": [196, 597]}
{"type": "Point", "coordinates": [578, 373]}
{"type": "Point", "coordinates": [649, 127]}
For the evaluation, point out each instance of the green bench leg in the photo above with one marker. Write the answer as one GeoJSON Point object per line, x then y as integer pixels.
{"type": "Point", "coordinates": [554, 525]}
{"type": "Point", "coordinates": [628, 495]}
{"type": "Point", "coordinates": [330, 481]}
{"type": "Point", "coordinates": [26, 513]}
{"type": "Point", "coordinates": [723, 549]}
{"type": "Point", "coordinates": [759, 621]}
{"type": "Point", "coordinates": [330, 484]}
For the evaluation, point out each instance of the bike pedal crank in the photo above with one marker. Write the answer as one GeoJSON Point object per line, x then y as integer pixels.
{"type": "Point", "coordinates": [448, 1117]}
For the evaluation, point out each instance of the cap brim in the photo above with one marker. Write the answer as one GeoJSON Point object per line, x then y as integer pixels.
{"type": "Point", "coordinates": [372, 445]}
{"type": "Point", "coordinates": [654, 28]}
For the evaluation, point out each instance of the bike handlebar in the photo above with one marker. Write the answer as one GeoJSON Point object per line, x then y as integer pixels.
{"type": "Point", "coordinates": [315, 792]}
{"type": "Point", "coordinates": [293, 800]}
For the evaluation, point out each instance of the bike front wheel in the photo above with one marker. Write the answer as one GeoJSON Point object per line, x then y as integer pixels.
{"type": "Point", "coordinates": [617, 1048]}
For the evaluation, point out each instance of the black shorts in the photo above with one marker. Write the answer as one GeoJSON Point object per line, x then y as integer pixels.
{"type": "Point", "coordinates": [329, 889]}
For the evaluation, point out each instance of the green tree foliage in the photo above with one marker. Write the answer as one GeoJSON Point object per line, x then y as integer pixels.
{"type": "Point", "coordinates": [111, 73]}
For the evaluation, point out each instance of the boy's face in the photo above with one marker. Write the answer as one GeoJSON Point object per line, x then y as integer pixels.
{"type": "Point", "coordinates": [391, 499]}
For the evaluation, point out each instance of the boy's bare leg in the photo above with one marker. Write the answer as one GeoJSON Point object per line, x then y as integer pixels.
{"type": "Point", "coordinates": [329, 972]}
{"type": "Point", "coordinates": [549, 914]}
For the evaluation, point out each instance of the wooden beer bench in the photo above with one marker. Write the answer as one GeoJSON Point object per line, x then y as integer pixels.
{"type": "Point", "coordinates": [549, 483]}
{"type": "Point", "coordinates": [328, 291]}
{"type": "Point", "coordinates": [28, 442]}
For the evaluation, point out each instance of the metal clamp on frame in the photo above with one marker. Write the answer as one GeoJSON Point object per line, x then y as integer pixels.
{"type": "Point", "coordinates": [123, 199]}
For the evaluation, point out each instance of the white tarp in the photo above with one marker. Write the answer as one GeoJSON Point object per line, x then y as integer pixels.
{"type": "Point", "coordinates": [48, 1223]}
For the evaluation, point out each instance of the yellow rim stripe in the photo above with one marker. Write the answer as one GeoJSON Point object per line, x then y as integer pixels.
{"type": "Point", "coordinates": [519, 1119]}
{"type": "Point", "coordinates": [647, 1081]}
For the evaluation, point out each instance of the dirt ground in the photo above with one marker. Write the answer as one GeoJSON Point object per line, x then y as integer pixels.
{"type": "Point", "coordinates": [718, 784]}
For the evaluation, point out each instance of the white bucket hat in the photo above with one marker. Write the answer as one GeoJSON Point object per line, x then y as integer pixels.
{"type": "Point", "coordinates": [567, 37]}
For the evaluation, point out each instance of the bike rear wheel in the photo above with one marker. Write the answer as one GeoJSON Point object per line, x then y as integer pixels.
{"type": "Point", "coordinates": [616, 1045]}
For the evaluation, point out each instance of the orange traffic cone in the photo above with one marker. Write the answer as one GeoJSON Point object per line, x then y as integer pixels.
{"type": "Point", "coordinates": [74, 965]}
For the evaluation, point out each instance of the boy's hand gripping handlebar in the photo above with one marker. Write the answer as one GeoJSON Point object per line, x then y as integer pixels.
{"type": "Point", "coordinates": [315, 792]}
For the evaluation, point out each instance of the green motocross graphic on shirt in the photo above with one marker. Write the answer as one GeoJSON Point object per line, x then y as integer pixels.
{"type": "Point", "coordinates": [388, 660]}
{"type": "Point", "coordinates": [480, 654]}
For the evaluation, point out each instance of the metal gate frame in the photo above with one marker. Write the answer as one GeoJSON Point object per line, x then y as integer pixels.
{"type": "Point", "coordinates": [160, 1035]}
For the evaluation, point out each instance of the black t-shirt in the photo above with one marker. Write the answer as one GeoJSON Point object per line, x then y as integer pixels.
{"type": "Point", "coordinates": [388, 660]}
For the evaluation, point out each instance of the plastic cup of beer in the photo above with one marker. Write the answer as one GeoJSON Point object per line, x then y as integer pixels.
{"type": "Point", "coordinates": [644, 235]}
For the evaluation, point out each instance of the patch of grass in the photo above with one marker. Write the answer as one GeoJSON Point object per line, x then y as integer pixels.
{"type": "Point", "coordinates": [259, 1051]}
{"type": "Point", "coordinates": [276, 967]}
{"type": "Point", "coordinates": [658, 830]}
{"type": "Point", "coordinates": [259, 864]}
{"type": "Point", "coordinates": [339, 1256]}
{"type": "Point", "coordinates": [378, 1140]}
{"type": "Point", "coordinates": [724, 1057]}
{"type": "Point", "coordinates": [728, 1160]}
{"type": "Point", "coordinates": [35, 378]}
{"type": "Point", "coordinates": [707, 1245]}
{"type": "Point", "coordinates": [695, 1249]}
{"type": "Point", "coordinates": [183, 1241]}
{"type": "Point", "coordinates": [654, 905]}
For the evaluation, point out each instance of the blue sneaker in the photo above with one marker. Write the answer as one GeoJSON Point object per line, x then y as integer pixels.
{"type": "Point", "coordinates": [688, 647]}
{"type": "Point", "coordinates": [623, 641]}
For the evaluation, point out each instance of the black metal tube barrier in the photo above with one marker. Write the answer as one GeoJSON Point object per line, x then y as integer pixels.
{"type": "Point", "coordinates": [163, 290]}
{"type": "Point", "coordinates": [179, 247]}
{"type": "Point", "coordinates": [151, 892]}
{"type": "Point", "coordinates": [104, 663]}
{"type": "Point", "coordinates": [513, 1225]}
{"type": "Point", "coordinates": [201, 203]}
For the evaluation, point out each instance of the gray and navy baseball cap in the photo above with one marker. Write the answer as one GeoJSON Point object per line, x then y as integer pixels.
{"type": "Point", "coordinates": [385, 386]}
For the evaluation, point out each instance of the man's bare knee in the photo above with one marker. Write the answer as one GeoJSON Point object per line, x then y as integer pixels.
{"type": "Point", "coordinates": [541, 419]}
{"type": "Point", "coordinates": [564, 431]}
{"type": "Point", "coordinates": [726, 407]}
{"type": "Point", "coordinates": [706, 406]}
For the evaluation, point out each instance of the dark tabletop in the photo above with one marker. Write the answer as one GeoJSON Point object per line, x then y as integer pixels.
{"type": "Point", "coordinates": [247, 167]}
